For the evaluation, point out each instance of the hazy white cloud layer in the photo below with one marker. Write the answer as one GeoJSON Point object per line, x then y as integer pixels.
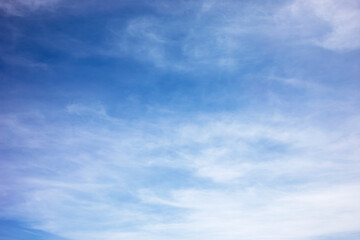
{"type": "Point", "coordinates": [221, 176]}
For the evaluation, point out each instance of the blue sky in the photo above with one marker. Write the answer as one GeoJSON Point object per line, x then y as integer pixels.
{"type": "Point", "coordinates": [218, 120]}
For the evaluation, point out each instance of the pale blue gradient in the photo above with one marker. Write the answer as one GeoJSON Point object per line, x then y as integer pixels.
{"type": "Point", "coordinates": [218, 120]}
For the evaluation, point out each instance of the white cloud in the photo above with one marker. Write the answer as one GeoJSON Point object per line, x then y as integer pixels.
{"type": "Point", "coordinates": [331, 24]}
{"type": "Point", "coordinates": [263, 213]}
{"type": "Point", "coordinates": [265, 177]}
{"type": "Point", "coordinates": [221, 34]}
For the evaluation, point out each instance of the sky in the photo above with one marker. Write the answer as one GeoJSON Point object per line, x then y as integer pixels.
{"type": "Point", "coordinates": [179, 120]}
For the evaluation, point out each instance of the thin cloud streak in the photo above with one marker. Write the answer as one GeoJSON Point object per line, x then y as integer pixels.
{"type": "Point", "coordinates": [20, 7]}
{"type": "Point", "coordinates": [230, 34]}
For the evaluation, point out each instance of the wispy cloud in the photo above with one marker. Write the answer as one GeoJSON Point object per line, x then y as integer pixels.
{"type": "Point", "coordinates": [210, 33]}
{"type": "Point", "coordinates": [277, 175]}
{"type": "Point", "coordinates": [189, 120]}
{"type": "Point", "coordinates": [329, 24]}
{"type": "Point", "coordinates": [276, 215]}
{"type": "Point", "coordinates": [222, 34]}
{"type": "Point", "coordinates": [19, 7]}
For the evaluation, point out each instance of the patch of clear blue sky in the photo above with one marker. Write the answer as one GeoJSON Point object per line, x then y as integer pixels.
{"type": "Point", "coordinates": [12, 229]}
